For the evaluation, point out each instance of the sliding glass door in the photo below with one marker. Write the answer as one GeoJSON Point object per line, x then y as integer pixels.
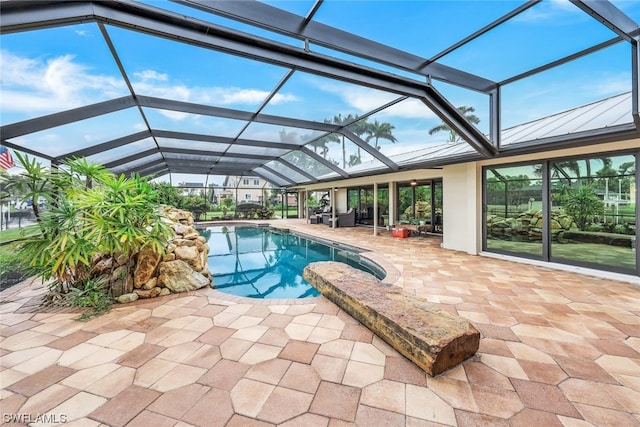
{"type": "Point", "coordinates": [420, 203]}
{"type": "Point", "coordinates": [580, 211]}
{"type": "Point", "coordinates": [361, 199]}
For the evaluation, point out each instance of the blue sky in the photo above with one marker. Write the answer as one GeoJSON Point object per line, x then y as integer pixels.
{"type": "Point", "coordinates": [57, 69]}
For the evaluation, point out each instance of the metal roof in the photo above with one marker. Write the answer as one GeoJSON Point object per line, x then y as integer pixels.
{"type": "Point", "coordinates": [608, 113]}
{"type": "Point", "coordinates": [605, 114]}
{"type": "Point", "coordinates": [277, 53]}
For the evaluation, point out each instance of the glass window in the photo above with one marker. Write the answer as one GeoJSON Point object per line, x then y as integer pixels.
{"type": "Point", "coordinates": [285, 170]}
{"type": "Point", "coordinates": [362, 201]}
{"type": "Point", "coordinates": [593, 211]}
{"type": "Point", "coordinates": [309, 164]}
{"type": "Point", "coordinates": [415, 205]}
{"type": "Point", "coordinates": [247, 196]}
{"type": "Point", "coordinates": [245, 182]}
{"type": "Point", "coordinates": [513, 216]}
{"type": "Point", "coordinates": [256, 182]}
{"type": "Point", "coordinates": [591, 216]}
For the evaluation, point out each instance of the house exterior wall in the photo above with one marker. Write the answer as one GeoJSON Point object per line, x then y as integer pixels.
{"type": "Point", "coordinates": [235, 185]}
{"type": "Point", "coordinates": [461, 198]}
{"type": "Point", "coordinates": [462, 190]}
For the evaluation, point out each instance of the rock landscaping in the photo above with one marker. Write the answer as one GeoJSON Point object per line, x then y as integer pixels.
{"type": "Point", "coordinates": [148, 274]}
{"type": "Point", "coordinates": [528, 226]}
{"type": "Point", "coordinates": [432, 338]}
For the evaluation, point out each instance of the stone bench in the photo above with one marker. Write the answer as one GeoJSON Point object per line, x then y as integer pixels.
{"type": "Point", "coordinates": [432, 338]}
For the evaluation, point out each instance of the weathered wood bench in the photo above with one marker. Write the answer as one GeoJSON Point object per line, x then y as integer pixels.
{"type": "Point", "coordinates": [432, 338]}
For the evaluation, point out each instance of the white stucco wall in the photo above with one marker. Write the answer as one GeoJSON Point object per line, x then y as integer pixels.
{"type": "Point", "coordinates": [461, 199]}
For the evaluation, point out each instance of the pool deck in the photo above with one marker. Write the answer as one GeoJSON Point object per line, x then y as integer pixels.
{"type": "Point", "coordinates": [557, 349]}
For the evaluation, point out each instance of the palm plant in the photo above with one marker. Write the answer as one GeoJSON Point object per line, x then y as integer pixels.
{"type": "Point", "coordinates": [583, 204]}
{"type": "Point", "coordinates": [80, 170]}
{"type": "Point", "coordinates": [33, 183]}
{"type": "Point", "coordinates": [343, 121]}
{"type": "Point", "coordinates": [379, 131]}
{"type": "Point", "coordinates": [95, 213]}
{"type": "Point", "coordinates": [360, 128]}
{"type": "Point", "coordinates": [467, 112]}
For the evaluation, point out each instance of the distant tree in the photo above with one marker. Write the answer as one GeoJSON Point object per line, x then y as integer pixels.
{"type": "Point", "coordinates": [379, 131]}
{"type": "Point", "coordinates": [288, 137]}
{"type": "Point", "coordinates": [360, 128]}
{"type": "Point", "coordinates": [354, 159]}
{"type": "Point", "coordinates": [467, 112]}
{"type": "Point", "coordinates": [341, 121]}
{"type": "Point", "coordinates": [323, 143]}
{"type": "Point", "coordinates": [626, 168]}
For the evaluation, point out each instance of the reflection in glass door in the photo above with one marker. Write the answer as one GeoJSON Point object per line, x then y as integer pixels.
{"type": "Point", "coordinates": [420, 203]}
{"type": "Point", "coordinates": [290, 205]}
{"type": "Point", "coordinates": [365, 213]}
{"type": "Point", "coordinates": [361, 199]}
{"type": "Point", "coordinates": [437, 207]}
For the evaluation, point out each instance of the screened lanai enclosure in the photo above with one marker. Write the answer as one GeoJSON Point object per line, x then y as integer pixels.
{"type": "Point", "coordinates": [301, 92]}
{"type": "Point", "coordinates": [285, 103]}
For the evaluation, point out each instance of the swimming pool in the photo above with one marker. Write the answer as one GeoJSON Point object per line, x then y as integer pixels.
{"type": "Point", "coordinates": [263, 262]}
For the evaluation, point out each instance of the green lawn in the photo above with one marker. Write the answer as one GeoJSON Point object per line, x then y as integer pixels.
{"type": "Point", "coordinates": [15, 233]}
{"type": "Point", "coordinates": [11, 271]}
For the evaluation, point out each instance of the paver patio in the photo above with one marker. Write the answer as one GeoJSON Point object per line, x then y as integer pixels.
{"type": "Point", "coordinates": [557, 349]}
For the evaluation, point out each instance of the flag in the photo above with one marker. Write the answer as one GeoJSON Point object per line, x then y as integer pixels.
{"type": "Point", "coordinates": [6, 160]}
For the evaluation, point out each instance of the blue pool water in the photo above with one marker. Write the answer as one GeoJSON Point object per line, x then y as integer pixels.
{"type": "Point", "coordinates": [260, 262]}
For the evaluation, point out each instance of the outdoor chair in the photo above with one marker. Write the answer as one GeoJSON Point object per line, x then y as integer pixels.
{"type": "Point", "coordinates": [347, 219]}
{"type": "Point", "coordinates": [326, 215]}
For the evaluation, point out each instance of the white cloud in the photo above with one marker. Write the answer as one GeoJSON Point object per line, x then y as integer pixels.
{"type": "Point", "coordinates": [147, 75]}
{"type": "Point", "coordinates": [175, 115]}
{"type": "Point", "coordinates": [611, 85]}
{"type": "Point", "coordinates": [410, 109]}
{"type": "Point", "coordinates": [548, 10]}
{"type": "Point", "coordinates": [152, 83]}
{"type": "Point", "coordinates": [364, 100]}
{"type": "Point", "coordinates": [44, 85]}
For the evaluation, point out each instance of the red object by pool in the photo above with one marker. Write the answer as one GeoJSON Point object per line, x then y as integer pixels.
{"type": "Point", "coordinates": [402, 233]}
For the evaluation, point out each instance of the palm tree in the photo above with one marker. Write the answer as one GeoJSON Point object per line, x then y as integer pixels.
{"type": "Point", "coordinates": [34, 183]}
{"type": "Point", "coordinates": [340, 121]}
{"type": "Point", "coordinates": [354, 159]}
{"type": "Point", "coordinates": [606, 164]}
{"type": "Point", "coordinates": [453, 136]}
{"type": "Point", "coordinates": [360, 128]}
{"type": "Point", "coordinates": [379, 131]}
{"type": "Point", "coordinates": [322, 144]}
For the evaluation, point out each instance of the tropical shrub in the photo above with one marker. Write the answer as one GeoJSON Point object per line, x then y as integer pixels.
{"type": "Point", "coordinates": [91, 212]}
{"type": "Point", "coordinates": [583, 204]}
{"type": "Point", "coordinates": [197, 205]}
{"type": "Point", "coordinates": [167, 194]}
{"type": "Point", "coordinates": [264, 213]}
